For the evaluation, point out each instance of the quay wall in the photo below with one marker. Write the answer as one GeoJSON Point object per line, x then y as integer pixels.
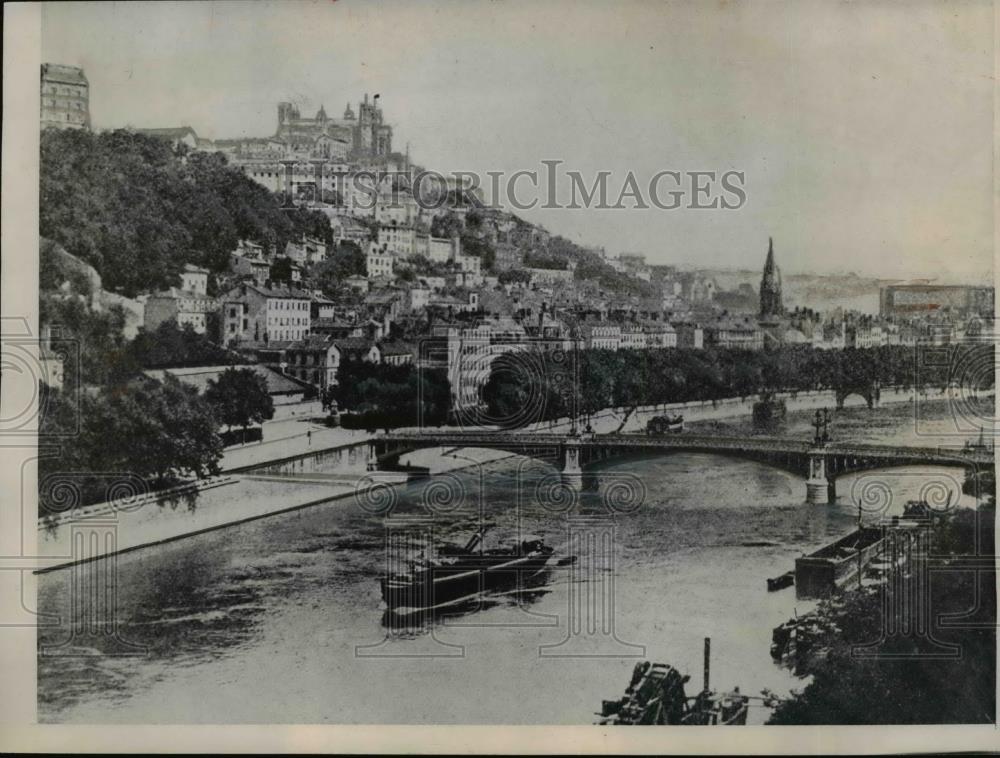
{"type": "Point", "coordinates": [324, 475]}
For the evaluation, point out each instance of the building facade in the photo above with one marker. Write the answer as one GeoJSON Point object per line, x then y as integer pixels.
{"type": "Point", "coordinates": [65, 96]}
{"type": "Point", "coordinates": [272, 313]}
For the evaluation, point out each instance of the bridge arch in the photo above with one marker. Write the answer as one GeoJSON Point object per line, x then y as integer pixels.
{"type": "Point", "coordinates": [870, 392]}
{"type": "Point", "coordinates": [387, 455]}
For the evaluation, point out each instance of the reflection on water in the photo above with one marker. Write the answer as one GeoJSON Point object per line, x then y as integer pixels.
{"type": "Point", "coordinates": [281, 620]}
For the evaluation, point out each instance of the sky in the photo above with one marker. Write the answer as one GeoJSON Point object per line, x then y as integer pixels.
{"type": "Point", "coordinates": [864, 129]}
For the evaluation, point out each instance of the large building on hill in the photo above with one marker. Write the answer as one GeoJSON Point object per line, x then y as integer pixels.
{"type": "Point", "coordinates": [65, 94]}
{"type": "Point", "coordinates": [354, 135]}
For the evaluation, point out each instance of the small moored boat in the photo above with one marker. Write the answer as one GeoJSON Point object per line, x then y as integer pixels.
{"type": "Point", "coordinates": [780, 582]}
{"type": "Point", "coordinates": [656, 696]}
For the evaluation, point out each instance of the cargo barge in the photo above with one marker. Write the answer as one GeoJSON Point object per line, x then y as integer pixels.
{"type": "Point", "coordinates": [819, 574]}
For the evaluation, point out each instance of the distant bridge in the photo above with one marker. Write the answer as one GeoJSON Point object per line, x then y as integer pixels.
{"type": "Point", "coordinates": [821, 464]}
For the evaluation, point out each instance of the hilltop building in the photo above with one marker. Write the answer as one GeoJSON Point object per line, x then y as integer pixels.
{"type": "Point", "coordinates": [364, 134]}
{"type": "Point", "coordinates": [65, 94]}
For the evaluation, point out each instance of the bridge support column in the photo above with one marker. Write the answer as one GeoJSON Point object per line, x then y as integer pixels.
{"type": "Point", "coordinates": [817, 485]}
{"type": "Point", "coordinates": [372, 462]}
{"type": "Point", "coordinates": [572, 472]}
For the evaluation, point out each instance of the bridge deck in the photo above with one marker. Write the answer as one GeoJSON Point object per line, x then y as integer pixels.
{"type": "Point", "coordinates": [693, 442]}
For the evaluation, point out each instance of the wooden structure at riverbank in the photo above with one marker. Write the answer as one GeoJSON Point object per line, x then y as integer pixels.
{"type": "Point", "coordinates": [821, 573]}
{"type": "Point", "coordinates": [655, 696]}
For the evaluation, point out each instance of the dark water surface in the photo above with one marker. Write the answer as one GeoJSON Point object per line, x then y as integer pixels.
{"type": "Point", "coordinates": [280, 619]}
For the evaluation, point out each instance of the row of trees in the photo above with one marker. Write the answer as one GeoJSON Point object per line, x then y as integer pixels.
{"type": "Point", "coordinates": [137, 210]}
{"type": "Point", "coordinates": [386, 396]}
{"type": "Point", "coordinates": [97, 354]}
{"type": "Point", "coordinates": [595, 379]}
{"type": "Point", "coordinates": [153, 433]}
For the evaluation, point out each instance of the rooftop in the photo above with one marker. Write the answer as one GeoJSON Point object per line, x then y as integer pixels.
{"type": "Point", "coordinates": [200, 376]}
{"type": "Point", "coordinates": [170, 132]}
{"type": "Point", "coordinates": [272, 292]}
{"type": "Point", "coordinates": [58, 72]}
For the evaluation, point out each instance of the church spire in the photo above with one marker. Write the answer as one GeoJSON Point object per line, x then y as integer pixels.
{"type": "Point", "coordinates": [770, 285]}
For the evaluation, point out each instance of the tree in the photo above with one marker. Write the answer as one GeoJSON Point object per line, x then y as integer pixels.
{"type": "Point", "coordinates": [446, 225]}
{"type": "Point", "coordinates": [170, 346]}
{"type": "Point", "coordinates": [118, 199]}
{"type": "Point", "coordinates": [281, 269]}
{"type": "Point", "coordinates": [346, 260]}
{"type": "Point", "coordinates": [98, 346]}
{"type": "Point", "coordinates": [514, 275]}
{"type": "Point", "coordinates": [384, 396]}
{"type": "Point", "coordinates": [159, 432]}
{"type": "Point", "coordinates": [240, 398]}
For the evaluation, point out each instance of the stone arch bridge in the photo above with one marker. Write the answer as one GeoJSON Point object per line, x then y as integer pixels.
{"type": "Point", "coordinates": [819, 464]}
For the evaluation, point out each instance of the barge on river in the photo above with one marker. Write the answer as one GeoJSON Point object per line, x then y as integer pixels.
{"type": "Point", "coordinates": [462, 573]}
{"type": "Point", "coordinates": [820, 574]}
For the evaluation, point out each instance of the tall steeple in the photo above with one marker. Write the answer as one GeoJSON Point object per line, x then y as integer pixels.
{"type": "Point", "coordinates": [770, 285]}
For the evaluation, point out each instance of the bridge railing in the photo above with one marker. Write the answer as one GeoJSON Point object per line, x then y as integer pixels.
{"type": "Point", "coordinates": [488, 438]}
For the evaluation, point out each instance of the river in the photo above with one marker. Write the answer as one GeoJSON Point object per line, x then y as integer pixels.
{"type": "Point", "coordinates": [279, 620]}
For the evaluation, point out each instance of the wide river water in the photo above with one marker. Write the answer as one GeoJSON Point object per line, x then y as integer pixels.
{"type": "Point", "coordinates": [280, 620]}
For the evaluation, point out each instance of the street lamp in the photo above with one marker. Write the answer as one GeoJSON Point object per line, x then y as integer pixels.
{"type": "Point", "coordinates": [575, 410]}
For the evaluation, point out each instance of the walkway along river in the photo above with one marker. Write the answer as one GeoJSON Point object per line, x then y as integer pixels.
{"type": "Point", "coordinates": [279, 619]}
{"type": "Point", "coordinates": [232, 498]}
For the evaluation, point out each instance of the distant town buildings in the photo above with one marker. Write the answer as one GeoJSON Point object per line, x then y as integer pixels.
{"type": "Point", "coordinates": [424, 299]}
{"type": "Point", "coordinates": [65, 96]}
{"type": "Point", "coordinates": [909, 300]}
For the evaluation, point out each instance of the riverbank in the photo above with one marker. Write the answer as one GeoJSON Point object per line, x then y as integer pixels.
{"type": "Point", "coordinates": [940, 664]}
{"type": "Point", "coordinates": [164, 517]}
{"type": "Point", "coordinates": [233, 610]}
{"type": "Point", "coordinates": [241, 495]}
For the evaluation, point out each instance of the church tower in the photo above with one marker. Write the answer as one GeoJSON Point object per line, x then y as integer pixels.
{"type": "Point", "coordinates": [770, 286]}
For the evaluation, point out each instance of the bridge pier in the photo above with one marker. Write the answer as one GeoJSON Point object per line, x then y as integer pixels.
{"type": "Point", "coordinates": [572, 471]}
{"type": "Point", "coordinates": [372, 462]}
{"type": "Point", "coordinates": [818, 487]}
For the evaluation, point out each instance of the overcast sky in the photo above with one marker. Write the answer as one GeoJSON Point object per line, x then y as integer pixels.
{"type": "Point", "coordinates": [865, 130]}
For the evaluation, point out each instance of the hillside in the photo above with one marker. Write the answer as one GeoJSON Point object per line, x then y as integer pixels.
{"type": "Point", "coordinates": [137, 210]}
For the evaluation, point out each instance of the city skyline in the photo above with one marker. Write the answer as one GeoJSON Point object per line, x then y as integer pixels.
{"type": "Point", "coordinates": [881, 196]}
{"type": "Point", "coordinates": [674, 425]}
